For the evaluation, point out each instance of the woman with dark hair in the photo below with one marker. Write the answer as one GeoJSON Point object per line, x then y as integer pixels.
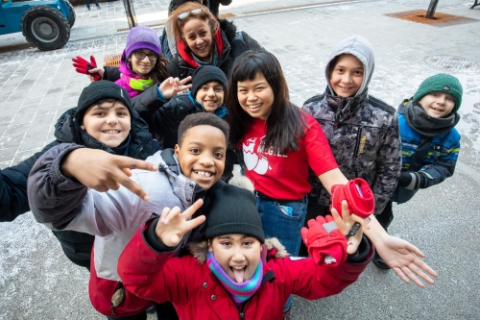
{"type": "Point", "coordinates": [279, 143]}
{"type": "Point", "coordinates": [201, 39]}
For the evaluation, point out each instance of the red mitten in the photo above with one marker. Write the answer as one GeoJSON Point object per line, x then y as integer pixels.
{"type": "Point", "coordinates": [325, 243]}
{"type": "Point", "coordinates": [82, 66]}
{"type": "Point", "coordinates": [358, 194]}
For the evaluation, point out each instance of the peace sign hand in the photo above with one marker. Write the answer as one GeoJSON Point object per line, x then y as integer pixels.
{"type": "Point", "coordinates": [171, 86]}
{"type": "Point", "coordinates": [173, 224]}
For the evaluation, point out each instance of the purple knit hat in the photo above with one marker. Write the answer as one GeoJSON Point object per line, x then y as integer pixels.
{"type": "Point", "coordinates": [142, 37]}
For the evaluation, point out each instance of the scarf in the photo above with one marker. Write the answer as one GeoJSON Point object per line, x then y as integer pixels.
{"type": "Point", "coordinates": [133, 83]}
{"type": "Point", "coordinates": [240, 292]}
{"type": "Point", "coordinates": [418, 119]}
{"type": "Point", "coordinates": [185, 53]}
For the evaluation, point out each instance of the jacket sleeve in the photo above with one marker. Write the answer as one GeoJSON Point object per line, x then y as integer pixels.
{"type": "Point", "coordinates": [389, 165]}
{"type": "Point", "coordinates": [111, 74]}
{"type": "Point", "coordinates": [435, 173]}
{"type": "Point", "coordinates": [148, 102]}
{"type": "Point", "coordinates": [153, 275]}
{"type": "Point", "coordinates": [13, 187]}
{"type": "Point", "coordinates": [312, 281]}
{"type": "Point", "coordinates": [250, 42]}
{"type": "Point", "coordinates": [64, 204]}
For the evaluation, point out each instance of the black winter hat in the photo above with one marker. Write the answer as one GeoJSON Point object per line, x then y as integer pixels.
{"type": "Point", "coordinates": [206, 74]}
{"type": "Point", "coordinates": [234, 210]}
{"type": "Point", "coordinates": [97, 91]}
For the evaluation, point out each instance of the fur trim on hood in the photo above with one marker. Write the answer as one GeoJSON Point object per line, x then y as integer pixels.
{"type": "Point", "coordinates": [272, 245]}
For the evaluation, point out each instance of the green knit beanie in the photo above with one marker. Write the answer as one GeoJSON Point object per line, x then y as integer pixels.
{"type": "Point", "coordinates": [444, 83]}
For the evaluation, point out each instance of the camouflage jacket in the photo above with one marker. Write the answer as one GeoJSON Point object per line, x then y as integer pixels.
{"type": "Point", "coordinates": [365, 140]}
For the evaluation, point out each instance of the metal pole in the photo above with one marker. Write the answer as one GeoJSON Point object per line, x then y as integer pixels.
{"type": "Point", "coordinates": [431, 9]}
{"type": "Point", "coordinates": [130, 11]}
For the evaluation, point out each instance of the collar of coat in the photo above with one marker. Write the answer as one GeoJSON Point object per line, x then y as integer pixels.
{"type": "Point", "coordinates": [345, 108]}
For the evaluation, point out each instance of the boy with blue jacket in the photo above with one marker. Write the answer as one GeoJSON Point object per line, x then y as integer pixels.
{"type": "Point", "coordinates": [430, 142]}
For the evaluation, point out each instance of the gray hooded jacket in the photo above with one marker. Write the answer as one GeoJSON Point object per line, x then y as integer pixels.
{"type": "Point", "coordinates": [362, 130]}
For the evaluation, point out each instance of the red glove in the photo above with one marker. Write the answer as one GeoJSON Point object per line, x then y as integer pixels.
{"type": "Point", "coordinates": [358, 194]}
{"type": "Point", "coordinates": [325, 243]}
{"type": "Point", "coordinates": [82, 66]}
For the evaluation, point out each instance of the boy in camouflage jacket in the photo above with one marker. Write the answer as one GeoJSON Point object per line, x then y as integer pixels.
{"type": "Point", "coordinates": [362, 130]}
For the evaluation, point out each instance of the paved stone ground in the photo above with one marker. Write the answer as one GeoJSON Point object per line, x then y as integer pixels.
{"type": "Point", "coordinates": [38, 282]}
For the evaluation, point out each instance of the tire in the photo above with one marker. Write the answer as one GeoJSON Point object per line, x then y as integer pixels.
{"type": "Point", "coordinates": [73, 16]}
{"type": "Point", "coordinates": [45, 27]}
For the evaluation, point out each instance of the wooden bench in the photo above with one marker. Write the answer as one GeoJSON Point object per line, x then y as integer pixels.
{"type": "Point", "coordinates": [112, 60]}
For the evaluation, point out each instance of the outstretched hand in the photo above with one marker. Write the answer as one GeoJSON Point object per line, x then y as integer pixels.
{"type": "Point", "coordinates": [173, 224]}
{"type": "Point", "coordinates": [345, 223]}
{"type": "Point", "coordinates": [404, 259]}
{"type": "Point", "coordinates": [171, 86]}
{"type": "Point", "coordinates": [100, 170]}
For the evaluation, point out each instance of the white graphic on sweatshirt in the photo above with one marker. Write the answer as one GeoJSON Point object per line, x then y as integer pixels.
{"type": "Point", "coordinates": [254, 161]}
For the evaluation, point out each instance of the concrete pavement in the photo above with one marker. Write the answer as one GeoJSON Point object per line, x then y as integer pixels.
{"type": "Point", "coordinates": [38, 282]}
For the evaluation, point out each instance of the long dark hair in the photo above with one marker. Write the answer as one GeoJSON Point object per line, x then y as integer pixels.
{"type": "Point", "coordinates": [159, 71]}
{"type": "Point", "coordinates": [285, 124]}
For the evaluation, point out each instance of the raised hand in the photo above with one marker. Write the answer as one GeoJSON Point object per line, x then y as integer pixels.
{"type": "Point", "coordinates": [346, 224]}
{"type": "Point", "coordinates": [323, 239]}
{"type": "Point", "coordinates": [404, 258]}
{"type": "Point", "coordinates": [173, 224]}
{"type": "Point", "coordinates": [171, 86]}
{"type": "Point", "coordinates": [83, 66]}
{"type": "Point", "coordinates": [100, 170]}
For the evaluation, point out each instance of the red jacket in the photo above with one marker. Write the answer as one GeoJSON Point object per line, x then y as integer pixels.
{"type": "Point", "coordinates": [197, 294]}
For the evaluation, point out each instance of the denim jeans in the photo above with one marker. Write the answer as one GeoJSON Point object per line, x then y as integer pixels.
{"type": "Point", "coordinates": [283, 220]}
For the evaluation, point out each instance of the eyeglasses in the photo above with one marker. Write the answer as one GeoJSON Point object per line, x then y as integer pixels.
{"type": "Point", "coordinates": [185, 14]}
{"type": "Point", "coordinates": [140, 55]}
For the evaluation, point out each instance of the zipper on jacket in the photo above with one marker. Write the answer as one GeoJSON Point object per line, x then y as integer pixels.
{"type": "Point", "coordinates": [355, 151]}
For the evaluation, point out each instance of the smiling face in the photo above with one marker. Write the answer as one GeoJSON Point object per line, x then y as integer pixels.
{"type": "Point", "coordinates": [198, 37]}
{"type": "Point", "coordinates": [210, 95]}
{"type": "Point", "coordinates": [108, 122]}
{"type": "Point", "coordinates": [201, 155]}
{"type": "Point", "coordinates": [237, 254]}
{"type": "Point", "coordinates": [437, 104]}
{"type": "Point", "coordinates": [142, 67]}
{"type": "Point", "coordinates": [347, 76]}
{"type": "Point", "coordinates": [256, 96]}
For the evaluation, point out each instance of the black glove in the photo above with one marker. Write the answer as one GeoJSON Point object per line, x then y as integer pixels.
{"type": "Point", "coordinates": [405, 179]}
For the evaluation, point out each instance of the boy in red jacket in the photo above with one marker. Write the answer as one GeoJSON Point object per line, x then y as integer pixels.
{"type": "Point", "coordinates": [236, 273]}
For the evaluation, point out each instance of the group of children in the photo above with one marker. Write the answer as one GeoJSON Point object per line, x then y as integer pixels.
{"type": "Point", "coordinates": [188, 237]}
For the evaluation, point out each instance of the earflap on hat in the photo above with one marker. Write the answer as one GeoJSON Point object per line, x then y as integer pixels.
{"type": "Point", "coordinates": [443, 83]}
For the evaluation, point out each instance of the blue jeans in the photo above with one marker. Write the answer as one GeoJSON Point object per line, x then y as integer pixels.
{"type": "Point", "coordinates": [283, 220]}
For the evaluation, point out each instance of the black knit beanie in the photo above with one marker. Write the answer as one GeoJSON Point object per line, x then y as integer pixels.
{"type": "Point", "coordinates": [97, 91]}
{"type": "Point", "coordinates": [234, 210]}
{"type": "Point", "coordinates": [206, 74]}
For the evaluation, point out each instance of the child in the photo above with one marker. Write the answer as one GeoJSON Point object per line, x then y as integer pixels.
{"type": "Point", "coordinates": [362, 131]}
{"type": "Point", "coordinates": [103, 119]}
{"type": "Point", "coordinates": [141, 64]}
{"type": "Point", "coordinates": [207, 94]}
{"type": "Point", "coordinates": [60, 199]}
{"type": "Point", "coordinates": [279, 143]}
{"type": "Point", "coordinates": [234, 274]}
{"type": "Point", "coordinates": [430, 142]}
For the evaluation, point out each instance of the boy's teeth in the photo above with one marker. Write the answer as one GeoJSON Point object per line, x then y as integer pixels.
{"type": "Point", "coordinates": [112, 131]}
{"type": "Point", "coordinates": [204, 174]}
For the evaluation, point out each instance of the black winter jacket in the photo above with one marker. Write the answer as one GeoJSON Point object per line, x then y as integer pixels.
{"type": "Point", "coordinates": [234, 44]}
{"type": "Point", "coordinates": [13, 187]}
{"type": "Point", "coordinates": [77, 246]}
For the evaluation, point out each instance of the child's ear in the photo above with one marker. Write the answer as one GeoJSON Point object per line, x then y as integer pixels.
{"type": "Point", "coordinates": [177, 149]}
{"type": "Point", "coordinates": [82, 127]}
{"type": "Point", "coordinates": [209, 244]}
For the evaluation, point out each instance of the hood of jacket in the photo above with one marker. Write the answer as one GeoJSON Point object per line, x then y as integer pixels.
{"type": "Point", "coordinates": [67, 130]}
{"type": "Point", "coordinates": [363, 51]}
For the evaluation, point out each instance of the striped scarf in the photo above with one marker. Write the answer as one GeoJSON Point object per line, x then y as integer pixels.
{"type": "Point", "coordinates": [240, 292]}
